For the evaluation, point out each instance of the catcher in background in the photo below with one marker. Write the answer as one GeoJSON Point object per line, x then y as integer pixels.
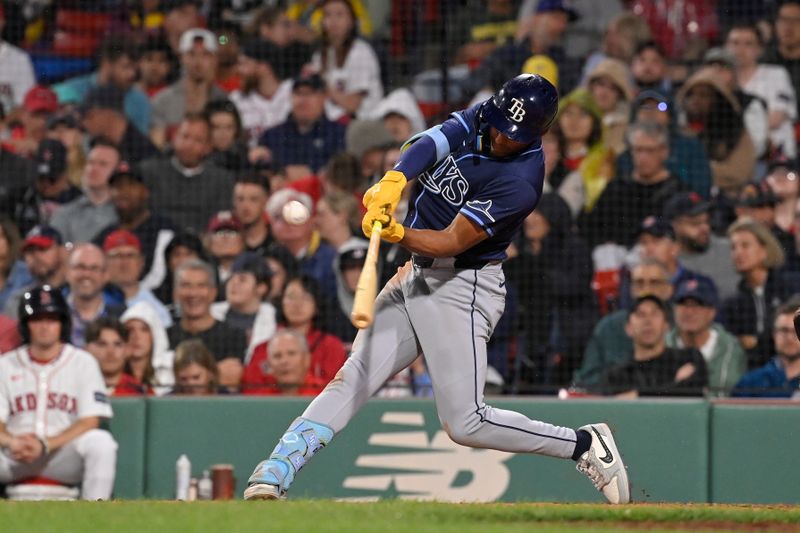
{"type": "Point", "coordinates": [479, 174]}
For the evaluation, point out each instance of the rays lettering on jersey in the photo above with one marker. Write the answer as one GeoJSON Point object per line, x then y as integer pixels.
{"type": "Point", "coordinates": [60, 402]}
{"type": "Point", "coordinates": [446, 180]}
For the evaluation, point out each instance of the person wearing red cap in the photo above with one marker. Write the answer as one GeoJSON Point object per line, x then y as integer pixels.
{"type": "Point", "coordinates": [125, 263]}
{"type": "Point", "coordinates": [39, 103]}
{"type": "Point", "coordinates": [224, 241]}
{"type": "Point", "coordinates": [16, 72]}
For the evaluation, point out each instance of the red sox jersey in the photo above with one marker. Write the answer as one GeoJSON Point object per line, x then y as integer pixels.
{"type": "Point", "coordinates": [47, 398]}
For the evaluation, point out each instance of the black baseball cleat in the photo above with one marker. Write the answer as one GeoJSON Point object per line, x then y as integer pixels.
{"type": "Point", "coordinates": [603, 465]}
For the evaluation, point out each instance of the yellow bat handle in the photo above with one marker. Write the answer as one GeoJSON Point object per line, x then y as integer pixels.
{"type": "Point", "coordinates": [364, 302]}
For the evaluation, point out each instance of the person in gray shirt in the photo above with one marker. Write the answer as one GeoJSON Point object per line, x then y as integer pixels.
{"type": "Point", "coordinates": [701, 250]}
{"type": "Point", "coordinates": [82, 219]}
{"type": "Point", "coordinates": [184, 184]}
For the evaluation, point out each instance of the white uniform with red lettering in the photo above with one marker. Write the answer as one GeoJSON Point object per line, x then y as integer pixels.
{"type": "Point", "coordinates": [46, 399]}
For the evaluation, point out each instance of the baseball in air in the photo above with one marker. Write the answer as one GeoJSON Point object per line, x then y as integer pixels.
{"type": "Point", "coordinates": [294, 212]}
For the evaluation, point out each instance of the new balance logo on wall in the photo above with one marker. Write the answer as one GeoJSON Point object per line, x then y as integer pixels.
{"type": "Point", "coordinates": [431, 469]}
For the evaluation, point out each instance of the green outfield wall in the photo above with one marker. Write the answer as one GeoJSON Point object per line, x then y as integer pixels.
{"type": "Point", "coordinates": [676, 450]}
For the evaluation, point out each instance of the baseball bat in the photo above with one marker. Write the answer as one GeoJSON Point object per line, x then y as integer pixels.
{"type": "Point", "coordinates": [364, 301]}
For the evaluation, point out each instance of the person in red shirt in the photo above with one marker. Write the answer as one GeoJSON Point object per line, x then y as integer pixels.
{"type": "Point", "coordinates": [105, 340]}
{"type": "Point", "coordinates": [300, 310]}
{"type": "Point", "coordinates": [289, 363]}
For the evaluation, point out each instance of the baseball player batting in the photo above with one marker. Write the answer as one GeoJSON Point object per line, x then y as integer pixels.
{"type": "Point", "coordinates": [479, 175]}
{"type": "Point", "coordinates": [52, 397]}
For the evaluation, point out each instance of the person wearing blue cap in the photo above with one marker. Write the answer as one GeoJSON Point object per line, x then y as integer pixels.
{"type": "Point", "coordinates": [695, 311]}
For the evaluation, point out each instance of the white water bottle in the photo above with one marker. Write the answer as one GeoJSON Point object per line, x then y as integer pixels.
{"type": "Point", "coordinates": [205, 487]}
{"type": "Point", "coordinates": [183, 477]}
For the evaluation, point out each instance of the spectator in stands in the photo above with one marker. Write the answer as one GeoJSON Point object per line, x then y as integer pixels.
{"type": "Point", "coordinates": [191, 93]}
{"type": "Point", "coordinates": [64, 127]}
{"type": "Point", "coordinates": [105, 340]}
{"type": "Point", "coordinates": [657, 241]}
{"type": "Point", "coordinates": [37, 202]}
{"type": "Point", "coordinates": [757, 201]}
{"type": "Point", "coordinates": [655, 369]}
{"type": "Point", "coordinates": [306, 138]}
{"type": "Point", "coordinates": [244, 307]}
{"type": "Point", "coordinates": [337, 214]}
{"type": "Point", "coordinates": [265, 98]}
{"type": "Point", "coordinates": [102, 116]}
{"type": "Point", "coordinates": [131, 200]}
{"type": "Point", "coordinates": [769, 82]}
{"type": "Point", "coordinates": [609, 345]}
{"type": "Point", "coordinates": [626, 202]}
{"type": "Point", "coordinates": [700, 249]}
{"type": "Point", "coordinates": [185, 185]}
{"type": "Point", "coordinates": [196, 372]}
{"type": "Point", "coordinates": [88, 296]}
{"type": "Point", "coordinates": [155, 65]}
{"type": "Point", "coordinates": [368, 141]}
{"type": "Point", "coordinates": [551, 277]}
{"type": "Point", "coordinates": [271, 24]}
{"type": "Point", "coordinates": [758, 258]}
{"type": "Point", "coordinates": [400, 114]}
{"type": "Point", "coordinates": [346, 62]}
{"type": "Point", "coordinates": [722, 66]}
{"type": "Point", "coordinates": [348, 265]}
{"type": "Point", "coordinates": [117, 58]}
{"type": "Point", "coordinates": [785, 50]}
{"type": "Point", "coordinates": [610, 87]}
{"type": "Point", "coordinates": [684, 41]}
{"type": "Point", "coordinates": [480, 27]}
{"type": "Point", "coordinates": [83, 218]}
{"type": "Point", "coordinates": [298, 235]}
{"type": "Point", "coordinates": [289, 362]}
{"type": "Point", "coordinates": [125, 262]}
{"type": "Point", "coordinates": [39, 104]}
{"type": "Point", "coordinates": [541, 33]}
{"type": "Point", "coordinates": [649, 69]}
{"type": "Point", "coordinates": [229, 38]}
{"type": "Point", "coordinates": [228, 143]}
{"type": "Point", "coordinates": [555, 174]}
{"type": "Point", "coordinates": [301, 311]}
{"type": "Point", "coordinates": [250, 195]}
{"type": "Point", "coordinates": [695, 308]}
{"type": "Point", "coordinates": [284, 266]}
{"type": "Point", "coordinates": [181, 247]}
{"type": "Point", "coordinates": [623, 36]}
{"type": "Point", "coordinates": [687, 158]}
{"type": "Point", "coordinates": [16, 72]}
{"type": "Point", "coordinates": [224, 242]}
{"type": "Point", "coordinates": [715, 115]}
{"type": "Point", "coordinates": [195, 290]}
{"type": "Point", "coordinates": [344, 173]}
{"type": "Point", "coordinates": [780, 376]}
{"type": "Point", "coordinates": [148, 357]}
{"type": "Point", "coordinates": [14, 273]}
{"type": "Point", "coordinates": [784, 181]}
{"type": "Point", "coordinates": [45, 257]}
{"type": "Point", "coordinates": [579, 129]}
{"type": "Point", "coordinates": [180, 16]}
{"type": "Point", "coordinates": [17, 171]}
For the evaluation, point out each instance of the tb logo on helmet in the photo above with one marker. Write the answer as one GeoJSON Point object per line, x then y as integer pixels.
{"type": "Point", "coordinates": [516, 110]}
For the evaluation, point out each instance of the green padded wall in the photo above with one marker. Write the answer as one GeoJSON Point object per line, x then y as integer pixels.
{"type": "Point", "coordinates": [754, 453]}
{"type": "Point", "coordinates": [128, 427]}
{"type": "Point", "coordinates": [396, 448]}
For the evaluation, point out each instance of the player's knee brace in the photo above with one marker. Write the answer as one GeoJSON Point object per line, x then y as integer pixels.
{"type": "Point", "coordinates": [300, 442]}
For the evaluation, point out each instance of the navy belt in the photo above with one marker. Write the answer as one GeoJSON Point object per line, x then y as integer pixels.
{"type": "Point", "coordinates": [422, 261]}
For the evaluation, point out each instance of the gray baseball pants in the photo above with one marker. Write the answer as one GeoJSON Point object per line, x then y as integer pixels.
{"type": "Point", "coordinates": [448, 315]}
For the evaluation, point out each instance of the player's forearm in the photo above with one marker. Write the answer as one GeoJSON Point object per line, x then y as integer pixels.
{"type": "Point", "coordinates": [73, 432]}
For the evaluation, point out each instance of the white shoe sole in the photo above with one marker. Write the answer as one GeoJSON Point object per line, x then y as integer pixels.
{"type": "Point", "coordinates": [263, 491]}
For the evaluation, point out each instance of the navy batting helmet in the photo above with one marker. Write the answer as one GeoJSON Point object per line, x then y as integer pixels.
{"type": "Point", "coordinates": [43, 300]}
{"type": "Point", "coordinates": [523, 108]}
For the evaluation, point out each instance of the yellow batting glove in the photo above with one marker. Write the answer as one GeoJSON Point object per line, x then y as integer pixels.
{"type": "Point", "coordinates": [393, 232]}
{"type": "Point", "coordinates": [374, 213]}
{"type": "Point", "coordinates": [386, 192]}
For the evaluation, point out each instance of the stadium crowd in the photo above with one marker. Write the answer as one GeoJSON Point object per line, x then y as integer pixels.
{"type": "Point", "coordinates": [189, 175]}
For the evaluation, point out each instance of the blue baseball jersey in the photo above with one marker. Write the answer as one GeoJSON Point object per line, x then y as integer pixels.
{"type": "Point", "coordinates": [495, 193]}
